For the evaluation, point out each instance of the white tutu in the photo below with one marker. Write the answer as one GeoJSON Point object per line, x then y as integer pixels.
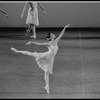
{"type": "Point", "coordinates": [44, 61]}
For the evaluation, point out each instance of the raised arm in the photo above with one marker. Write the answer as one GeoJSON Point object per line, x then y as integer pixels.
{"type": "Point", "coordinates": [37, 43]}
{"type": "Point", "coordinates": [62, 32]}
{"type": "Point", "coordinates": [24, 9]}
{"type": "Point", "coordinates": [42, 7]}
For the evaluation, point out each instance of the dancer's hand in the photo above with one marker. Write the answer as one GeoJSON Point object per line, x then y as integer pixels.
{"type": "Point", "coordinates": [67, 25]}
{"type": "Point", "coordinates": [27, 44]}
{"type": "Point", "coordinates": [6, 15]}
{"type": "Point", "coordinates": [45, 12]}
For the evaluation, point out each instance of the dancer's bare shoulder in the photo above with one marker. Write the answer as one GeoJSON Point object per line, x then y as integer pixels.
{"type": "Point", "coordinates": [53, 43]}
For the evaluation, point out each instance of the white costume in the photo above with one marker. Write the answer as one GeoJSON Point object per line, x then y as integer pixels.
{"type": "Point", "coordinates": [32, 17]}
{"type": "Point", "coordinates": [45, 60]}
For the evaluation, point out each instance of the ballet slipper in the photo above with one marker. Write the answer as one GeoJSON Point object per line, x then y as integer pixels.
{"type": "Point", "coordinates": [34, 36]}
{"type": "Point", "coordinates": [47, 89]}
{"type": "Point", "coordinates": [13, 49]}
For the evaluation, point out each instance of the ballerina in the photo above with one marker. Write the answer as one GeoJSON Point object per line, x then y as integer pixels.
{"type": "Point", "coordinates": [45, 60]}
{"type": "Point", "coordinates": [4, 12]}
{"type": "Point", "coordinates": [32, 17]}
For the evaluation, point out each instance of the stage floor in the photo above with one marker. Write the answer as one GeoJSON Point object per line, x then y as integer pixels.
{"type": "Point", "coordinates": [76, 71]}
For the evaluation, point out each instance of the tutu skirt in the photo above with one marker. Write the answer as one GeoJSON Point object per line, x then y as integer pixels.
{"type": "Point", "coordinates": [44, 61]}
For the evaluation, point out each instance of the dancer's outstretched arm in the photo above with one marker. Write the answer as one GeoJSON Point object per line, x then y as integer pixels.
{"type": "Point", "coordinates": [37, 43]}
{"type": "Point", "coordinates": [42, 7]}
{"type": "Point", "coordinates": [3, 12]}
{"type": "Point", "coordinates": [24, 9]}
{"type": "Point", "coordinates": [62, 32]}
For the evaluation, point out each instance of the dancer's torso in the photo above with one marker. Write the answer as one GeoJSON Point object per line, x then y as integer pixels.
{"type": "Point", "coordinates": [33, 6]}
{"type": "Point", "coordinates": [52, 49]}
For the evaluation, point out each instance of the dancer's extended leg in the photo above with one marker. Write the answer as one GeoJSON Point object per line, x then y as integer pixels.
{"type": "Point", "coordinates": [46, 78]}
{"type": "Point", "coordinates": [24, 52]}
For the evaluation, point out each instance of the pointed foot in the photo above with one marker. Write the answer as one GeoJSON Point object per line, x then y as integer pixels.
{"type": "Point", "coordinates": [34, 36]}
{"type": "Point", "coordinates": [13, 49]}
{"type": "Point", "coordinates": [47, 89]}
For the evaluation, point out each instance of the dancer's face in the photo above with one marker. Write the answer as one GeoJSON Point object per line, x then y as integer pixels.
{"type": "Point", "coordinates": [52, 36]}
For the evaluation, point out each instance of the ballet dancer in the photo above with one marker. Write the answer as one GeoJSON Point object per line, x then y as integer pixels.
{"type": "Point", "coordinates": [45, 60]}
{"type": "Point", "coordinates": [32, 17]}
{"type": "Point", "coordinates": [4, 12]}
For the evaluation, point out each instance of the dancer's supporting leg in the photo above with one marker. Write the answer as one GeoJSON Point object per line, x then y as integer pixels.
{"type": "Point", "coordinates": [34, 31]}
{"type": "Point", "coordinates": [29, 29]}
{"type": "Point", "coordinates": [46, 78]}
{"type": "Point", "coordinates": [23, 52]}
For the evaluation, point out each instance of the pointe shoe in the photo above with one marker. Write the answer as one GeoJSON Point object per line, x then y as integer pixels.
{"type": "Point", "coordinates": [47, 89]}
{"type": "Point", "coordinates": [13, 49]}
{"type": "Point", "coordinates": [34, 36]}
